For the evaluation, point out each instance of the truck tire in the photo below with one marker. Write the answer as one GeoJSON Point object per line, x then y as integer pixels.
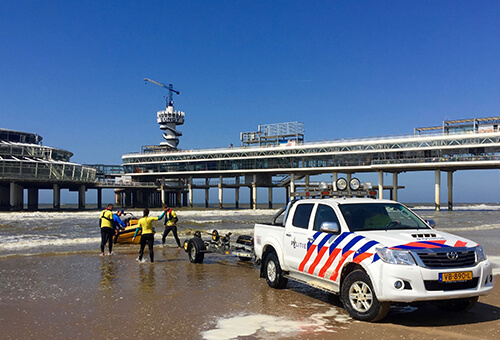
{"type": "Point", "coordinates": [246, 240]}
{"type": "Point", "coordinates": [196, 246]}
{"type": "Point", "coordinates": [457, 305]}
{"type": "Point", "coordinates": [359, 299]}
{"type": "Point", "coordinates": [273, 272]}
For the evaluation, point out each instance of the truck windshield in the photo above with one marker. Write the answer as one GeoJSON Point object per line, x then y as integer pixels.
{"type": "Point", "coordinates": [380, 216]}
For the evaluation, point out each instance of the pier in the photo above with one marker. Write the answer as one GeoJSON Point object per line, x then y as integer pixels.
{"type": "Point", "coordinates": [272, 157]}
{"type": "Point", "coordinates": [282, 159]}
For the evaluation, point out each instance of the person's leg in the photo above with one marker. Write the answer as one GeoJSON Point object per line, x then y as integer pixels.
{"type": "Point", "coordinates": [151, 240]}
{"type": "Point", "coordinates": [110, 240]}
{"type": "Point", "coordinates": [174, 231]}
{"type": "Point", "coordinates": [103, 240]}
{"type": "Point", "coordinates": [141, 249]}
{"type": "Point", "coordinates": [165, 233]}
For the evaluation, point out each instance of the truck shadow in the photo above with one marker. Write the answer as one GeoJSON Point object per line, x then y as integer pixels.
{"type": "Point", "coordinates": [428, 315]}
{"type": "Point", "coordinates": [423, 315]}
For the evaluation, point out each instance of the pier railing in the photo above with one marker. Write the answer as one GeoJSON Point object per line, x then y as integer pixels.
{"type": "Point", "coordinates": [44, 171]}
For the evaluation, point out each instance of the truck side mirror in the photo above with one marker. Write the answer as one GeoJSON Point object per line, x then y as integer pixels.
{"type": "Point", "coordinates": [431, 223]}
{"type": "Point", "coordinates": [329, 227]}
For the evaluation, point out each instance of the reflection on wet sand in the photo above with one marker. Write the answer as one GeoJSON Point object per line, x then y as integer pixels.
{"type": "Point", "coordinates": [108, 273]}
{"type": "Point", "coordinates": [147, 277]}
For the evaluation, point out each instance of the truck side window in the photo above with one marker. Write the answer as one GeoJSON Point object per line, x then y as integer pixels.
{"type": "Point", "coordinates": [324, 213]}
{"type": "Point", "coordinates": [302, 215]}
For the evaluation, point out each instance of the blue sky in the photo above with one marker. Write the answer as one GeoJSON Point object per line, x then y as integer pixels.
{"type": "Point", "coordinates": [73, 71]}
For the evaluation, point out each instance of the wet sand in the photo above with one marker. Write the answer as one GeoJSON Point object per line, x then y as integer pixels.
{"type": "Point", "coordinates": [84, 296]}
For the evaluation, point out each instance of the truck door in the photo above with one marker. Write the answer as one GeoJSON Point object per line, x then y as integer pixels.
{"type": "Point", "coordinates": [296, 235]}
{"type": "Point", "coordinates": [318, 259]}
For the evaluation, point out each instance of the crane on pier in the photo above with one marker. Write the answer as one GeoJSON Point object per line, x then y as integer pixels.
{"type": "Point", "coordinates": [169, 118]}
{"type": "Point", "coordinates": [170, 89]}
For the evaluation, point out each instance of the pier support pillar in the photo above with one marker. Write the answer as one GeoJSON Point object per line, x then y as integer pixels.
{"type": "Point", "coordinates": [190, 192]}
{"type": "Point", "coordinates": [221, 197]}
{"type": "Point", "coordinates": [163, 195]}
{"type": "Point", "coordinates": [32, 198]}
{"type": "Point", "coordinates": [99, 198]}
{"type": "Point", "coordinates": [437, 189]}
{"type": "Point", "coordinates": [254, 192]}
{"type": "Point", "coordinates": [118, 199]}
{"type": "Point", "coordinates": [270, 198]}
{"type": "Point", "coordinates": [380, 185]}
{"type": "Point", "coordinates": [16, 196]}
{"type": "Point", "coordinates": [450, 190]}
{"type": "Point", "coordinates": [56, 197]}
{"type": "Point", "coordinates": [335, 177]}
{"type": "Point", "coordinates": [395, 186]}
{"type": "Point", "coordinates": [292, 186]}
{"type": "Point", "coordinates": [237, 193]}
{"type": "Point", "coordinates": [4, 197]}
{"type": "Point", "coordinates": [81, 197]}
{"type": "Point", "coordinates": [128, 199]}
{"type": "Point", "coordinates": [307, 183]}
{"type": "Point", "coordinates": [179, 198]}
{"type": "Point", "coordinates": [207, 183]}
{"type": "Point", "coordinates": [185, 199]}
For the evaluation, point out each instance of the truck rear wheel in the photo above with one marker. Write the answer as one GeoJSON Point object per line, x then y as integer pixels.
{"type": "Point", "coordinates": [196, 246]}
{"type": "Point", "coordinates": [273, 272]}
{"type": "Point", "coordinates": [359, 299]}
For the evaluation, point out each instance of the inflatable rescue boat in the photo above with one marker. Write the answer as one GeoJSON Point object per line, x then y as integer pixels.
{"type": "Point", "coordinates": [126, 235]}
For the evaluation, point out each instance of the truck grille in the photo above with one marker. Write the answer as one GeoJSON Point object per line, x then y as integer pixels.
{"type": "Point", "coordinates": [436, 285]}
{"type": "Point", "coordinates": [442, 260]}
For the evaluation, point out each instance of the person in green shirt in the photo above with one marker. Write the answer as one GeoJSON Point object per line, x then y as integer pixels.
{"type": "Point", "coordinates": [148, 234]}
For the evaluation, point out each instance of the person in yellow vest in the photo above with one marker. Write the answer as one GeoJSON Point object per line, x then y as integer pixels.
{"type": "Point", "coordinates": [148, 234]}
{"type": "Point", "coordinates": [107, 228]}
{"type": "Point", "coordinates": [170, 225]}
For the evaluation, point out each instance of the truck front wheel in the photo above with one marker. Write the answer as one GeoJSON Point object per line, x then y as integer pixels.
{"type": "Point", "coordinates": [359, 298]}
{"type": "Point", "coordinates": [273, 272]}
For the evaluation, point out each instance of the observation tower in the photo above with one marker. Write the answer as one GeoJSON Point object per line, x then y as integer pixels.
{"type": "Point", "coordinates": [169, 118]}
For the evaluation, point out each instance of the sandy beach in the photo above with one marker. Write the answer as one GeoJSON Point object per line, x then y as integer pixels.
{"type": "Point", "coordinates": [84, 296]}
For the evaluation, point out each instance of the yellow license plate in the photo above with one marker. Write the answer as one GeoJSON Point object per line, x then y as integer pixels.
{"type": "Point", "coordinates": [455, 276]}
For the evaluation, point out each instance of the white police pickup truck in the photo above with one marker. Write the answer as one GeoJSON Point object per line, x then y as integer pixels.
{"type": "Point", "coordinates": [372, 253]}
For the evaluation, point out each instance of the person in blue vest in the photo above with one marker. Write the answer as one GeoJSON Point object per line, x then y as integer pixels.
{"type": "Point", "coordinates": [170, 225]}
{"type": "Point", "coordinates": [119, 224]}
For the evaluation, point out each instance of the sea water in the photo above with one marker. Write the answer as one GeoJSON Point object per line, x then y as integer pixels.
{"type": "Point", "coordinates": [45, 232]}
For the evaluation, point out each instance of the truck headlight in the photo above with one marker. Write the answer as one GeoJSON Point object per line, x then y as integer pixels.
{"type": "Point", "coordinates": [480, 254]}
{"type": "Point", "coordinates": [395, 256]}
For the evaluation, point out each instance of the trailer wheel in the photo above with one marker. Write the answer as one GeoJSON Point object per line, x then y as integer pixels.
{"type": "Point", "coordinates": [359, 299]}
{"type": "Point", "coordinates": [273, 272]}
{"type": "Point", "coordinates": [215, 236]}
{"type": "Point", "coordinates": [196, 246]}
{"type": "Point", "coordinates": [246, 240]}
